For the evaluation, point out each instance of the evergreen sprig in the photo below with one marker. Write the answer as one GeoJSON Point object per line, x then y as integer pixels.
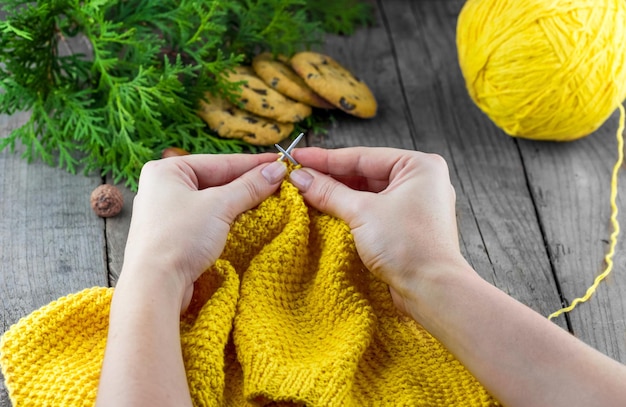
{"type": "Point", "coordinates": [148, 63]}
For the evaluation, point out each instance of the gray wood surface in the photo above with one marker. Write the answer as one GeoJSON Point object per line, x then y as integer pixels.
{"type": "Point", "coordinates": [500, 234]}
{"type": "Point", "coordinates": [51, 243]}
{"type": "Point", "coordinates": [533, 216]}
{"type": "Point", "coordinates": [570, 185]}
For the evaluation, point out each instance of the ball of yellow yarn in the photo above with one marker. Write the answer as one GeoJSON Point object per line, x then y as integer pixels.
{"type": "Point", "coordinates": [544, 69]}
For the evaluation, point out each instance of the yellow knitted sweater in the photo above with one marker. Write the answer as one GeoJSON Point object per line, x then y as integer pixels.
{"type": "Point", "coordinates": [289, 314]}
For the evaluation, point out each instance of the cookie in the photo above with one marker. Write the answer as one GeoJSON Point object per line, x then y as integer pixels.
{"type": "Point", "coordinates": [231, 122]}
{"type": "Point", "coordinates": [280, 76]}
{"type": "Point", "coordinates": [257, 97]}
{"type": "Point", "coordinates": [335, 83]}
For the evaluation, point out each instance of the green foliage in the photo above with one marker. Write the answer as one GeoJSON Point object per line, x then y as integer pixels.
{"type": "Point", "coordinates": [340, 17]}
{"type": "Point", "coordinates": [150, 61]}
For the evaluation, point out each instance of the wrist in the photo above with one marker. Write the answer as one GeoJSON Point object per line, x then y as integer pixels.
{"type": "Point", "coordinates": [143, 361]}
{"type": "Point", "coordinates": [155, 285]}
{"type": "Point", "coordinates": [437, 286]}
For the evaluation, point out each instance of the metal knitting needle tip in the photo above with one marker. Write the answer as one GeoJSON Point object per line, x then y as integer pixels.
{"type": "Point", "coordinates": [295, 142]}
{"type": "Point", "coordinates": [285, 154]}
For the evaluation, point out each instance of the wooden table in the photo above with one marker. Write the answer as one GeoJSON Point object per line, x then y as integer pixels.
{"type": "Point", "coordinates": [533, 216]}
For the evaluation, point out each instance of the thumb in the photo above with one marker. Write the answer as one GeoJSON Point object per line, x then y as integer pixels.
{"type": "Point", "coordinates": [251, 188]}
{"type": "Point", "coordinates": [327, 195]}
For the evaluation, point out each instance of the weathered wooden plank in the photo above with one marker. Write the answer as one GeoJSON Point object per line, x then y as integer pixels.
{"type": "Point", "coordinates": [116, 233]}
{"type": "Point", "coordinates": [498, 226]}
{"type": "Point", "coordinates": [409, 60]}
{"type": "Point", "coordinates": [51, 242]}
{"type": "Point", "coordinates": [368, 54]}
{"type": "Point", "coordinates": [571, 183]}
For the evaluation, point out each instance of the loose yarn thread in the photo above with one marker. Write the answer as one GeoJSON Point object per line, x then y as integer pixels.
{"type": "Point", "coordinates": [549, 70]}
{"type": "Point", "coordinates": [608, 258]}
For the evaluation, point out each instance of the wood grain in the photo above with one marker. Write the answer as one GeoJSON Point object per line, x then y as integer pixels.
{"type": "Point", "coordinates": [571, 184]}
{"type": "Point", "coordinates": [533, 216]}
{"type": "Point", "coordinates": [51, 242]}
{"type": "Point", "coordinates": [368, 55]}
{"type": "Point", "coordinates": [500, 235]}
{"type": "Point", "coordinates": [116, 231]}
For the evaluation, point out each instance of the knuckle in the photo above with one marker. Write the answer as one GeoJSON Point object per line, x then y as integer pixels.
{"type": "Point", "coordinates": [158, 166]}
{"type": "Point", "coordinates": [437, 160]}
{"type": "Point", "coordinates": [453, 192]}
{"type": "Point", "coordinates": [252, 189]}
{"type": "Point", "coordinates": [325, 193]}
{"type": "Point", "coordinates": [149, 172]}
{"type": "Point", "coordinates": [150, 166]}
{"type": "Point", "coordinates": [360, 206]}
{"type": "Point", "coordinates": [431, 162]}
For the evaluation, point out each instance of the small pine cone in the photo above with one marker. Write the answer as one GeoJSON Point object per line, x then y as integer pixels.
{"type": "Point", "coordinates": [107, 201]}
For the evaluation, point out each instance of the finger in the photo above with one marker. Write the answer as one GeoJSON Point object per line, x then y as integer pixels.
{"type": "Point", "coordinates": [362, 183]}
{"type": "Point", "coordinates": [327, 194]}
{"type": "Point", "coordinates": [376, 164]}
{"type": "Point", "coordinates": [219, 169]}
{"type": "Point", "coordinates": [250, 189]}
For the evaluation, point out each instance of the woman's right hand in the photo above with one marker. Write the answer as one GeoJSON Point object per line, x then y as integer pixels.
{"type": "Point", "coordinates": [399, 204]}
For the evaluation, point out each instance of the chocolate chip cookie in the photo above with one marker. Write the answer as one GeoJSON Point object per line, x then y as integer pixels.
{"type": "Point", "coordinates": [231, 122]}
{"type": "Point", "coordinates": [335, 83]}
{"type": "Point", "coordinates": [259, 98]}
{"type": "Point", "coordinates": [280, 76]}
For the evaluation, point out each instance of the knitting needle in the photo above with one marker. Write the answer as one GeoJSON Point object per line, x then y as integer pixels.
{"type": "Point", "coordinates": [287, 153]}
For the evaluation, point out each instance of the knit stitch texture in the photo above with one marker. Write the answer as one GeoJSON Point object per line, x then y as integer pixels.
{"type": "Point", "coordinates": [288, 314]}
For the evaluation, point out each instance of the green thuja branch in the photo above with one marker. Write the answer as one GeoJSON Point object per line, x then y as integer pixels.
{"type": "Point", "coordinates": [340, 17]}
{"type": "Point", "coordinates": [147, 63]}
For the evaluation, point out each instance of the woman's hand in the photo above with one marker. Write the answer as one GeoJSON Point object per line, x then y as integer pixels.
{"type": "Point", "coordinates": [181, 218]}
{"type": "Point", "coordinates": [399, 204]}
{"type": "Point", "coordinates": [184, 207]}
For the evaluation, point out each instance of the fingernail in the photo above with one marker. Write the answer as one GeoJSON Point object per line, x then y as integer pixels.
{"type": "Point", "coordinates": [274, 172]}
{"type": "Point", "coordinates": [301, 179]}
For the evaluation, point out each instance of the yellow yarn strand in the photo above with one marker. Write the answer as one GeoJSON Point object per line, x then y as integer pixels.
{"type": "Point", "coordinates": [608, 259]}
{"type": "Point", "coordinates": [548, 70]}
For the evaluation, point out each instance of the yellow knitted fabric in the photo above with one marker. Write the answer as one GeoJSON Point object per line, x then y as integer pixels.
{"type": "Point", "coordinates": [288, 314]}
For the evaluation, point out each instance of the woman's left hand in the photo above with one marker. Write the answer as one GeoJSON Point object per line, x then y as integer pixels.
{"type": "Point", "coordinates": [183, 211]}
